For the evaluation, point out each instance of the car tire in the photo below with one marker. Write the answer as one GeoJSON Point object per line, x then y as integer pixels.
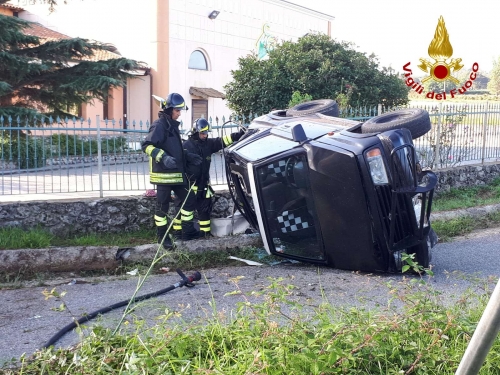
{"type": "Point", "coordinates": [326, 107]}
{"type": "Point", "coordinates": [416, 120]}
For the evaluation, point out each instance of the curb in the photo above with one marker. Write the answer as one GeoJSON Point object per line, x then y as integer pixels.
{"type": "Point", "coordinates": [80, 258]}
{"type": "Point", "coordinates": [473, 212]}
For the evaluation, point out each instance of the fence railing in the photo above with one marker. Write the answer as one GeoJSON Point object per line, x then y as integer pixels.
{"type": "Point", "coordinates": [75, 155]}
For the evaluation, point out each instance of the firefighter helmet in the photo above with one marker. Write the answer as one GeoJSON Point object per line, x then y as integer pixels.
{"type": "Point", "coordinates": [201, 126]}
{"type": "Point", "coordinates": [173, 100]}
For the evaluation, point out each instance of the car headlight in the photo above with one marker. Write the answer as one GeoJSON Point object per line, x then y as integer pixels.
{"type": "Point", "coordinates": [377, 167]}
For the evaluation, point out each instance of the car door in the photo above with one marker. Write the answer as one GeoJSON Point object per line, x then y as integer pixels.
{"type": "Point", "coordinates": [287, 213]}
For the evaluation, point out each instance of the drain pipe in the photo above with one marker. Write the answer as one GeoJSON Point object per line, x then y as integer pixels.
{"type": "Point", "coordinates": [185, 281]}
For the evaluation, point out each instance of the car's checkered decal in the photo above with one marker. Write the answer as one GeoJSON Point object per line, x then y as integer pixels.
{"type": "Point", "coordinates": [277, 169]}
{"type": "Point", "coordinates": [290, 223]}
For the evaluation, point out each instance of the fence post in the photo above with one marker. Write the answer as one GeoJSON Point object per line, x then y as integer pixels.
{"type": "Point", "coordinates": [485, 334]}
{"type": "Point", "coordinates": [485, 126]}
{"type": "Point", "coordinates": [437, 161]}
{"type": "Point", "coordinates": [379, 109]}
{"type": "Point", "coordinates": [99, 155]}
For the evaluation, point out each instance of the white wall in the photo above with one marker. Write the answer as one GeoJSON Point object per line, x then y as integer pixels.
{"type": "Point", "coordinates": [138, 99]}
{"type": "Point", "coordinates": [233, 34]}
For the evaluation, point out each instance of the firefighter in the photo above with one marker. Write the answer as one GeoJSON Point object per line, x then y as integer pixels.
{"type": "Point", "coordinates": [200, 197]}
{"type": "Point", "coordinates": [168, 162]}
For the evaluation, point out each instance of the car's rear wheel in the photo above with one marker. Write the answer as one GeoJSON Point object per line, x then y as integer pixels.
{"type": "Point", "coordinates": [326, 107]}
{"type": "Point", "coordinates": [416, 120]}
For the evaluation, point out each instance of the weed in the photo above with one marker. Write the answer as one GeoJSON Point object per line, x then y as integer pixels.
{"type": "Point", "coordinates": [275, 335]}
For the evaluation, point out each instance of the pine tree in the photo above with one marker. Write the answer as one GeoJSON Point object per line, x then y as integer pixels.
{"type": "Point", "coordinates": [52, 77]}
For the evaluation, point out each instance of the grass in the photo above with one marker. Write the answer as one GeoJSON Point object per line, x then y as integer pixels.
{"type": "Point", "coordinates": [468, 197]}
{"type": "Point", "coordinates": [272, 332]}
{"type": "Point", "coordinates": [16, 238]}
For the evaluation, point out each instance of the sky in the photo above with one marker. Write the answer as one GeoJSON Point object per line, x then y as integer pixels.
{"type": "Point", "coordinates": [400, 31]}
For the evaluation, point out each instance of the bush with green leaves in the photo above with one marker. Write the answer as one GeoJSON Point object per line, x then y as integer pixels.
{"type": "Point", "coordinates": [317, 65]}
{"type": "Point", "coordinates": [75, 145]}
{"type": "Point", "coordinates": [23, 150]}
{"type": "Point", "coordinates": [298, 97]}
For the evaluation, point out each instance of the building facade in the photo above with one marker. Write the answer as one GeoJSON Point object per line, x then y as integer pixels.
{"type": "Point", "coordinates": [190, 46]}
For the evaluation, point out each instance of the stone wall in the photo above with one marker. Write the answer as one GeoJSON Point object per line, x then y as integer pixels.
{"type": "Point", "coordinates": [131, 213]}
{"type": "Point", "coordinates": [472, 175]}
{"type": "Point", "coordinates": [92, 215]}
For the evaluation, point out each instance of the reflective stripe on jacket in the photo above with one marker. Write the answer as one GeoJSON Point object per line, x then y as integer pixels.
{"type": "Point", "coordinates": [164, 139]}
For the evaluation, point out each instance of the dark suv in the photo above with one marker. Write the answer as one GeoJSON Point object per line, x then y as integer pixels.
{"type": "Point", "coordinates": [332, 191]}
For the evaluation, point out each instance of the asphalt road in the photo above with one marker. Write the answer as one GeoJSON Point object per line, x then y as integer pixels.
{"type": "Point", "coordinates": [27, 320]}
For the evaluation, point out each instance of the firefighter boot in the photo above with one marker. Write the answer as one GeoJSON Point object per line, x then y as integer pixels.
{"type": "Point", "coordinates": [205, 228]}
{"type": "Point", "coordinates": [177, 230]}
{"type": "Point", "coordinates": [189, 232]}
{"type": "Point", "coordinates": [167, 242]}
{"type": "Point", "coordinates": [161, 230]}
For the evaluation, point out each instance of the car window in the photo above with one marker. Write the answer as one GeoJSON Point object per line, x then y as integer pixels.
{"type": "Point", "coordinates": [289, 210]}
{"type": "Point", "coordinates": [265, 147]}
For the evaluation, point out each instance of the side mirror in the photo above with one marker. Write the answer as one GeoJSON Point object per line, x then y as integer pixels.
{"type": "Point", "coordinates": [298, 133]}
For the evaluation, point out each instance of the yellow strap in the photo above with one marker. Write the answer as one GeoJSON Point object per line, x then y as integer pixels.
{"type": "Point", "coordinates": [187, 215]}
{"type": "Point", "coordinates": [159, 156]}
{"type": "Point", "coordinates": [195, 188]}
{"type": "Point", "coordinates": [205, 229]}
{"type": "Point", "coordinates": [187, 218]}
{"type": "Point", "coordinates": [160, 221]}
{"type": "Point", "coordinates": [177, 224]}
{"type": "Point", "coordinates": [150, 149]}
{"type": "Point", "coordinates": [204, 222]}
{"type": "Point", "coordinates": [227, 139]}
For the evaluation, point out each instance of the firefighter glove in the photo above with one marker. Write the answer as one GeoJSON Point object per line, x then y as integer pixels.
{"type": "Point", "coordinates": [193, 158]}
{"type": "Point", "coordinates": [169, 162]}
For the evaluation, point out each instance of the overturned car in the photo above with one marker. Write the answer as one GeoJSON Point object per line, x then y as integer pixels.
{"type": "Point", "coordinates": [327, 190]}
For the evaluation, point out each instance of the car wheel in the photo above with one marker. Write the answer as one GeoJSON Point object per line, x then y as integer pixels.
{"type": "Point", "coordinates": [326, 107]}
{"type": "Point", "coordinates": [416, 120]}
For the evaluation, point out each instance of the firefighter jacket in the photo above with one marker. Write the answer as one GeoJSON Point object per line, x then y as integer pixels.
{"type": "Point", "coordinates": [200, 174]}
{"type": "Point", "coordinates": [164, 138]}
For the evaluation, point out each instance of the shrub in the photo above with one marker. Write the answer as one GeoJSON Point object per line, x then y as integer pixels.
{"type": "Point", "coordinates": [24, 150]}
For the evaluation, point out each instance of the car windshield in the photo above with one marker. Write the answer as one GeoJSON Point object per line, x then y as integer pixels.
{"type": "Point", "coordinates": [264, 147]}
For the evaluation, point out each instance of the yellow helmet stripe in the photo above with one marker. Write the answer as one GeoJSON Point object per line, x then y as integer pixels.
{"type": "Point", "coordinates": [205, 129]}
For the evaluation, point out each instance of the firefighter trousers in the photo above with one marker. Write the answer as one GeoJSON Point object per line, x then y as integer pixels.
{"type": "Point", "coordinates": [201, 201]}
{"type": "Point", "coordinates": [163, 199]}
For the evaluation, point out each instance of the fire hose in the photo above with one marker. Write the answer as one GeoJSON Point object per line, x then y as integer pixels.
{"type": "Point", "coordinates": [185, 281]}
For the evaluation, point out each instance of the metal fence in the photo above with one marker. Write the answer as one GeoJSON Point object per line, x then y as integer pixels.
{"type": "Point", "coordinates": [75, 155]}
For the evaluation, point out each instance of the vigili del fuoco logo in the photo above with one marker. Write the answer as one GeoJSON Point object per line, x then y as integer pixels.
{"type": "Point", "coordinates": [440, 70]}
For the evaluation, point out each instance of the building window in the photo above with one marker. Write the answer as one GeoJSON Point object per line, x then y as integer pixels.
{"type": "Point", "coordinates": [197, 60]}
{"type": "Point", "coordinates": [200, 109]}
